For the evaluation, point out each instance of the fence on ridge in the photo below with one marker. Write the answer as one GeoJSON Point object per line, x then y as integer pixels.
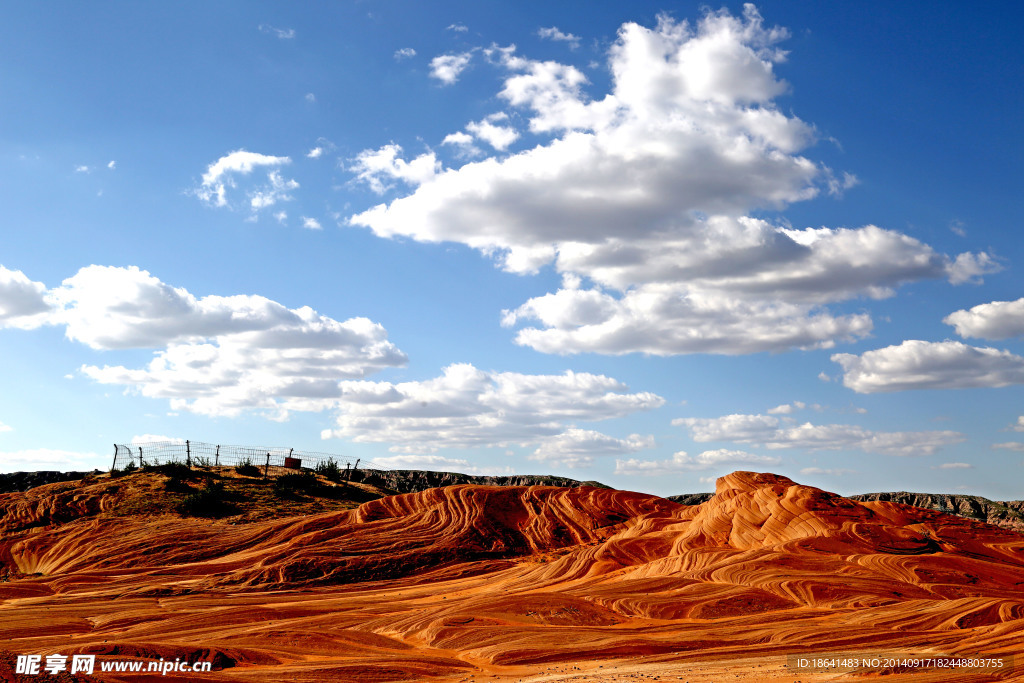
{"type": "Point", "coordinates": [270, 460]}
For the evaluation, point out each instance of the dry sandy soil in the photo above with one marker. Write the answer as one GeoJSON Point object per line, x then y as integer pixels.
{"type": "Point", "coordinates": [480, 583]}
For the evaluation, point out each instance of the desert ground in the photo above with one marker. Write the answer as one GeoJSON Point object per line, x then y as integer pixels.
{"type": "Point", "coordinates": [519, 583]}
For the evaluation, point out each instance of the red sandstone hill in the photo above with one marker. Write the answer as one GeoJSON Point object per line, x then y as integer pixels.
{"type": "Point", "coordinates": [518, 583]}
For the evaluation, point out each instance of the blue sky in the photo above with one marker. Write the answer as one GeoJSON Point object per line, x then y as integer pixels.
{"type": "Point", "coordinates": [647, 244]}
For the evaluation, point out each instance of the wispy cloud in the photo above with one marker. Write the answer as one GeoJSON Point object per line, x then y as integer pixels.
{"type": "Point", "coordinates": [282, 33]}
{"type": "Point", "coordinates": [467, 408]}
{"type": "Point", "coordinates": [552, 33]}
{"type": "Point", "coordinates": [224, 175]}
{"type": "Point", "coordinates": [838, 472]}
{"type": "Point", "coordinates": [683, 462]}
{"type": "Point", "coordinates": [776, 433]}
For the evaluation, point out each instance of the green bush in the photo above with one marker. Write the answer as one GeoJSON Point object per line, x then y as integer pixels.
{"type": "Point", "coordinates": [247, 469]}
{"type": "Point", "coordinates": [329, 470]}
{"type": "Point", "coordinates": [172, 469]}
{"type": "Point", "coordinates": [288, 484]}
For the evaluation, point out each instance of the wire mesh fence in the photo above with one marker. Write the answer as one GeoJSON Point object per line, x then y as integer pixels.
{"type": "Point", "coordinates": [198, 454]}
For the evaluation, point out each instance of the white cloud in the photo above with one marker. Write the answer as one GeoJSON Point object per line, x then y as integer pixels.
{"type": "Point", "coordinates": [310, 97]}
{"type": "Point", "coordinates": [276, 190]}
{"type": "Point", "coordinates": [405, 53]}
{"type": "Point", "coordinates": [448, 68]}
{"type": "Point", "coordinates": [497, 136]}
{"type": "Point", "coordinates": [956, 466]}
{"type": "Point", "coordinates": [970, 267]}
{"type": "Point", "coordinates": [787, 408]}
{"type": "Point", "coordinates": [463, 142]}
{"type": "Point", "coordinates": [1019, 425]}
{"type": "Point", "coordinates": [281, 217]}
{"type": "Point", "coordinates": [311, 223]}
{"type": "Point", "coordinates": [221, 355]}
{"type": "Point", "coordinates": [282, 33]}
{"type": "Point", "coordinates": [438, 463]}
{"type": "Point", "coordinates": [466, 408]}
{"type": "Point", "coordinates": [579, 447]}
{"type": "Point", "coordinates": [644, 193]}
{"type": "Point", "coordinates": [552, 33]}
{"type": "Point", "coordinates": [837, 186]}
{"type": "Point", "coordinates": [223, 175]}
{"type": "Point", "coordinates": [681, 462]}
{"type": "Point", "coordinates": [23, 302]}
{"type": "Point", "coordinates": [458, 28]}
{"type": "Point", "coordinates": [6, 427]}
{"type": "Point", "coordinates": [112, 165]}
{"type": "Point", "coordinates": [315, 153]}
{"type": "Point", "coordinates": [995, 320]}
{"type": "Point", "coordinates": [1010, 446]}
{"type": "Point", "coordinates": [377, 167]}
{"type": "Point", "coordinates": [46, 459]}
{"type": "Point", "coordinates": [775, 433]}
{"type": "Point", "coordinates": [83, 169]}
{"type": "Point", "coordinates": [917, 364]}
{"type": "Point", "coordinates": [663, 319]}
{"type": "Point", "coordinates": [828, 472]}
{"type": "Point", "coordinates": [143, 439]}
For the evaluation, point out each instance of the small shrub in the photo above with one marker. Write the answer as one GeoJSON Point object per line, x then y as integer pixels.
{"type": "Point", "coordinates": [206, 502]}
{"type": "Point", "coordinates": [329, 470]}
{"type": "Point", "coordinates": [172, 469]}
{"type": "Point", "coordinates": [290, 484]}
{"type": "Point", "coordinates": [201, 461]}
{"type": "Point", "coordinates": [174, 483]}
{"type": "Point", "coordinates": [247, 469]}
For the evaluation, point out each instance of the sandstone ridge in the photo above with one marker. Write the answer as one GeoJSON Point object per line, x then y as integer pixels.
{"type": "Point", "coordinates": [521, 581]}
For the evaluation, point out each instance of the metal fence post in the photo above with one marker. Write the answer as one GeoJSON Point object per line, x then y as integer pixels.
{"type": "Point", "coordinates": [113, 465]}
{"type": "Point", "coordinates": [188, 453]}
{"type": "Point", "coordinates": [216, 457]}
{"type": "Point", "coordinates": [266, 468]}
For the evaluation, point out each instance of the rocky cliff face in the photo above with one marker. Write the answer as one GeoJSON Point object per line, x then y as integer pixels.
{"type": "Point", "coordinates": [691, 498]}
{"type": "Point", "coordinates": [1008, 514]}
{"type": "Point", "coordinates": [411, 481]}
{"type": "Point", "coordinates": [1005, 514]}
{"type": "Point", "coordinates": [23, 481]}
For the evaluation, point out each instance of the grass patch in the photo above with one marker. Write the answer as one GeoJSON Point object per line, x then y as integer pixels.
{"type": "Point", "coordinates": [208, 501]}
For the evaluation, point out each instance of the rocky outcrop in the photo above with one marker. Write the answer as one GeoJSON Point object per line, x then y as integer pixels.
{"type": "Point", "coordinates": [691, 498]}
{"type": "Point", "coordinates": [411, 481]}
{"type": "Point", "coordinates": [23, 481]}
{"type": "Point", "coordinates": [1005, 514]}
{"type": "Point", "coordinates": [1009, 515]}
